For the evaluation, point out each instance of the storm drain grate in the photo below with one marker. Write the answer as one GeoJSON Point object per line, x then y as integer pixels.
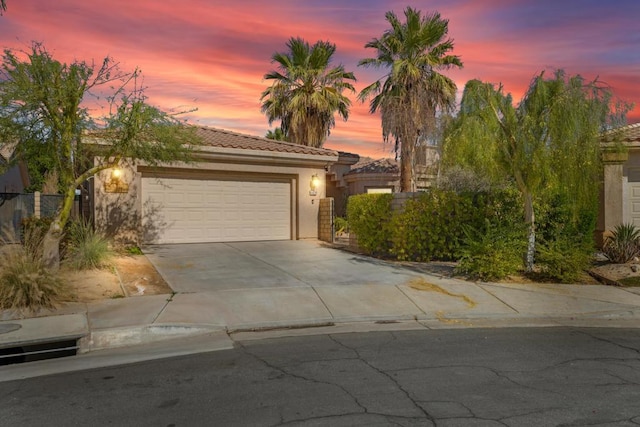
{"type": "Point", "coordinates": [40, 351]}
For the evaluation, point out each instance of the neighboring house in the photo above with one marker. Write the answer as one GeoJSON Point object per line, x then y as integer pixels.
{"type": "Point", "coordinates": [620, 192]}
{"type": "Point", "coordinates": [374, 176]}
{"type": "Point", "coordinates": [14, 179]}
{"type": "Point", "coordinates": [337, 187]}
{"type": "Point", "coordinates": [14, 206]}
{"type": "Point", "coordinates": [239, 188]}
{"type": "Point", "coordinates": [352, 175]}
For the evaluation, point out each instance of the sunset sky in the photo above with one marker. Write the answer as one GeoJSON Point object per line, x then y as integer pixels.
{"type": "Point", "coordinates": [212, 54]}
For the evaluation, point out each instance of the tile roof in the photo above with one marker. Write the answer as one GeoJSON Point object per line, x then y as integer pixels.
{"type": "Point", "coordinates": [630, 133]}
{"type": "Point", "coordinates": [385, 165]}
{"type": "Point", "coordinates": [213, 137]}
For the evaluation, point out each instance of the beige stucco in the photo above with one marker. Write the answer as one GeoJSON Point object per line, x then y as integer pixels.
{"type": "Point", "coordinates": [120, 213]}
{"type": "Point", "coordinates": [620, 186]}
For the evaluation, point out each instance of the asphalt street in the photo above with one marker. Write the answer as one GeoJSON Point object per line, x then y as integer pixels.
{"type": "Point", "coordinates": [455, 377]}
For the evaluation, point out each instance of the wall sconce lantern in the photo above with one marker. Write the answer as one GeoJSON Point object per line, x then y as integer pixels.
{"type": "Point", "coordinates": [115, 184]}
{"type": "Point", "coordinates": [313, 185]}
{"type": "Point", "coordinates": [116, 174]}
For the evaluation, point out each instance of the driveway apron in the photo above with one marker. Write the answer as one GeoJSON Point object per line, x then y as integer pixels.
{"type": "Point", "coordinates": [206, 267]}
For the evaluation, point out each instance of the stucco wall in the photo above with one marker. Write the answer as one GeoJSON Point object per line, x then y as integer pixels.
{"type": "Point", "coordinates": [359, 183]}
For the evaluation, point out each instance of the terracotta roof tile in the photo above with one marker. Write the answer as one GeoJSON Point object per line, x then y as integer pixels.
{"type": "Point", "coordinates": [630, 133]}
{"type": "Point", "coordinates": [213, 137]}
{"type": "Point", "coordinates": [385, 165]}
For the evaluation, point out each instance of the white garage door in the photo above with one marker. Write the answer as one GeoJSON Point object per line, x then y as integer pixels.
{"type": "Point", "coordinates": [192, 211]}
{"type": "Point", "coordinates": [634, 204]}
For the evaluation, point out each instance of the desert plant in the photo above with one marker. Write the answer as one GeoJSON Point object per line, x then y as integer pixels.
{"type": "Point", "coordinates": [565, 258]}
{"type": "Point", "coordinates": [85, 247]}
{"type": "Point", "coordinates": [341, 224]}
{"type": "Point", "coordinates": [493, 252]}
{"type": "Point", "coordinates": [25, 282]}
{"type": "Point", "coordinates": [133, 250]}
{"type": "Point", "coordinates": [623, 244]}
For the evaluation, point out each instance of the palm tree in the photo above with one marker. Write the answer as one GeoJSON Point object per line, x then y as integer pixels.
{"type": "Point", "coordinates": [306, 92]}
{"type": "Point", "coordinates": [413, 90]}
{"type": "Point", "coordinates": [276, 134]}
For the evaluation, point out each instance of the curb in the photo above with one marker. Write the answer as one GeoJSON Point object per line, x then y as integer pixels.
{"type": "Point", "coordinates": [103, 339]}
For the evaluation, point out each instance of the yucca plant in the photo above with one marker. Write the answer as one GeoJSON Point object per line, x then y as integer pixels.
{"type": "Point", "coordinates": [623, 244]}
{"type": "Point", "coordinates": [86, 248]}
{"type": "Point", "coordinates": [25, 282]}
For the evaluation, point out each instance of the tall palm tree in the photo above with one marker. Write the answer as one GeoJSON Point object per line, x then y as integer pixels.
{"type": "Point", "coordinates": [413, 90]}
{"type": "Point", "coordinates": [306, 92]}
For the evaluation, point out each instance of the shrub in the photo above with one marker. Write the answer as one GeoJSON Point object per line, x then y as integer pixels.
{"type": "Point", "coordinates": [430, 226]}
{"type": "Point", "coordinates": [565, 244]}
{"type": "Point", "coordinates": [493, 252]}
{"type": "Point", "coordinates": [25, 283]}
{"type": "Point", "coordinates": [133, 250]}
{"type": "Point", "coordinates": [369, 216]}
{"type": "Point", "coordinates": [461, 180]}
{"type": "Point", "coordinates": [86, 248]}
{"type": "Point", "coordinates": [623, 244]}
{"type": "Point", "coordinates": [565, 258]}
{"type": "Point", "coordinates": [341, 225]}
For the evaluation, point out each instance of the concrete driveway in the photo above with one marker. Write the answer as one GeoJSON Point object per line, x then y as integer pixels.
{"type": "Point", "coordinates": [206, 267]}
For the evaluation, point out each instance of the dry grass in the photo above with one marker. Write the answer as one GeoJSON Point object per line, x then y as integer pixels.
{"type": "Point", "coordinates": [25, 284]}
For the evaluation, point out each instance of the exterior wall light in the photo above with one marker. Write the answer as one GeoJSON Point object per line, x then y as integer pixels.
{"type": "Point", "coordinates": [116, 184]}
{"type": "Point", "coordinates": [116, 174]}
{"type": "Point", "coordinates": [313, 185]}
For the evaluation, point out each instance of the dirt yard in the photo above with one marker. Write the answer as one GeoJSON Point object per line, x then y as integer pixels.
{"type": "Point", "coordinates": [131, 275]}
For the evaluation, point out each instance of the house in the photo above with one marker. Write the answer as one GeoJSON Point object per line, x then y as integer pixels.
{"type": "Point", "coordinates": [620, 191]}
{"type": "Point", "coordinates": [239, 188]}
{"type": "Point", "coordinates": [14, 179]}
{"type": "Point", "coordinates": [352, 175]}
{"type": "Point", "coordinates": [374, 176]}
{"type": "Point", "coordinates": [14, 206]}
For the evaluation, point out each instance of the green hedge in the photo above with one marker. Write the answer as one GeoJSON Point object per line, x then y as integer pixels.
{"type": "Point", "coordinates": [484, 231]}
{"type": "Point", "coordinates": [430, 226]}
{"type": "Point", "coordinates": [369, 216]}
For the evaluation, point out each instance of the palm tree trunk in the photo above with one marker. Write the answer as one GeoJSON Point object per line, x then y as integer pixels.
{"type": "Point", "coordinates": [406, 168]}
{"type": "Point", "coordinates": [406, 173]}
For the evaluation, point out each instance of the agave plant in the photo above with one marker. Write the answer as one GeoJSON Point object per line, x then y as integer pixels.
{"type": "Point", "coordinates": [623, 244]}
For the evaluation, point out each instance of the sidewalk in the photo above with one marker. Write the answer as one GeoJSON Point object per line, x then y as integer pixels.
{"type": "Point", "coordinates": [427, 301]}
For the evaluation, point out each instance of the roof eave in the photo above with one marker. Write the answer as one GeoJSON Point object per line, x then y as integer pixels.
{"type": "Point", "coordinates": [261, 156]}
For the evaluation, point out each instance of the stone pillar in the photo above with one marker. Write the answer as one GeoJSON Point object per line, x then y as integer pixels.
{"type": "Point", "coordinates": [611, 211]}
{"type": "Point", "coordinates": [326, 231]}
{"type": "Point", "coordinates": [36, 204]}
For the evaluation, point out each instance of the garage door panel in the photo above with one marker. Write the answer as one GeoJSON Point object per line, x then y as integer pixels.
{"type": "Point", "coordinates": [189, 211]}
{"type": "Point", "coordinates": [633, 204]}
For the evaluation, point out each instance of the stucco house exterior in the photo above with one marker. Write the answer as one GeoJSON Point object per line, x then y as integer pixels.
{"type": "Point", "coordinates": [620, 190]}
{"type": "Point", "coordinates": [239, 188]}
